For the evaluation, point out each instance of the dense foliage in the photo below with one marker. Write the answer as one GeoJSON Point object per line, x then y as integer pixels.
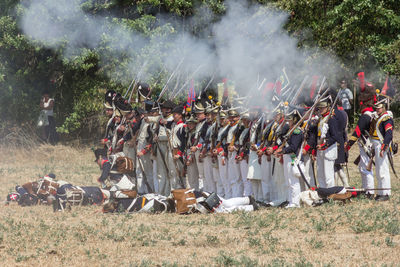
{"type": "Point", "coordinates": [363, 34]}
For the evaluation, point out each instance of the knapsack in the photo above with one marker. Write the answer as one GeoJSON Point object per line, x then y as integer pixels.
{"type": "Point", "coordinates": [124, 165]}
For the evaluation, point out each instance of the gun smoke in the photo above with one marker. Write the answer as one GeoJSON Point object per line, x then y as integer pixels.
{"type": "Point", "coordinates": [245, 45]}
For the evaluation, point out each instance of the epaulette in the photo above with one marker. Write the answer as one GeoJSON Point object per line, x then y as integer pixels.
{"type": "Point", "coordinates": [385, 118]}
{"type": "Point", "coordinates": [297, 131]}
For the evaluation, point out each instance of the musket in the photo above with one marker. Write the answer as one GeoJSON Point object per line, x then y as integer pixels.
{"type": "Point", "coordinates": [208, 84]}
{"type": "Point", "coordinates": [264, 138]}
{"type": "Point", "coordinates": [347, 170]}
{"type": "Point", "coordinates": [162, 157]}
{"type": "Point", "coordinates": [330, 114]}
{"type": "Point", "coordinates": [390, 157]}
{"type": "Point", "coordinates": [169, 79]}
{"type": "Point", "coordinates": [309, 112]}
{"type": "Point", "coordinates": [277, 130]}
{"type": "Point", "coordinates": [183, 86]}
{"type": "Point", "coordinates": [313, 170]}
{"type": "Point", "coordinates": [302, 174]}
{"type": "Point", "coordinates": [367, 149]}
{"type": "Point", "coordinates": [256, 87]}
{"type": "Point", "coordinates": [134, 82]}
{"type": "Point", "coordinates": [129, 87]}
{"type": "Point", "coordinates": [296, 96]}
{"type": "Point", "coordinates": [144, 175]}
{"type": "Point", "coordinates": [371, 160]}
{"type": "Point", "coordinates": [350, 189]}
{"type": "Point", "coordinates": [191, 156]}
{"type": "Point", "coordinates": [287, 78]}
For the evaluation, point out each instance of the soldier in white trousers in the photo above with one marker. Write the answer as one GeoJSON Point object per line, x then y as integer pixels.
{"type": "Point", "coordinates": [234, 175]}
{"type": "Point", "coordinates": [243, 153]}
{"type": "Point", "coordinates": [290, 153]}
{"type": "Point", "coordinates": [361, 136]}
{"type": "Point", "coordinates": [382, 137]}
{"type": "Point", "coordinates": [327, 145]}
{"type": "Point", "coordinates": [192, 172]}
{"type": "Point", "coordinates": [254, 174]}
{"type": "Point", "coordinates": [144, 170]}
{"type": "Point", "coordinates": [220, 152]}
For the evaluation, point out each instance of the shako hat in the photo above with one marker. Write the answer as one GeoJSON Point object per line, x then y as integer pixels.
{"type": "Point", "coordinates": [100, 153]}
{"type": "Point", "coordinates": [168, 104]}
{"type": "Point", "coordinates": [108, 99]}
{"type": "Point", "coordinates": [178, 109]}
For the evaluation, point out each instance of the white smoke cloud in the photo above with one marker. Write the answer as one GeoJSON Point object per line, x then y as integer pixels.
{"type": "Point", "coordinates": [246, 44]}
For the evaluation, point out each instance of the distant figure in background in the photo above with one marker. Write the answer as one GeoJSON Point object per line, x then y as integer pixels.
{"type": "Point", "coordinates": [47, 114]}
{"type": "Point", "coordinates": [346, 96]}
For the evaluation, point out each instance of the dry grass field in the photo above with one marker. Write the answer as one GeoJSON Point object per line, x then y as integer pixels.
{"type": "Point", "coordinates": [360, 233]}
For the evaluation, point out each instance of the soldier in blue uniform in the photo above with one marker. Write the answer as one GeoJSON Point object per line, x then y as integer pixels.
{"type": "Point", "coordinates": [290, 152]}
{"type": "Point", "coordinates": [361, 134]}
{"type": "Point", "coordinates": [382, 136]}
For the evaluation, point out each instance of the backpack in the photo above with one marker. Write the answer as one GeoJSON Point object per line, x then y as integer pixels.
{"type": "Point", "coordinates": [124, 165]}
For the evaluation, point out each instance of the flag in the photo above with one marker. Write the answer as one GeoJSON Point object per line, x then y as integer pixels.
{"type": "Point", "coordinates": [361, 77]}
{"type": "Point", "coordinates": [278, 87]}
{"type": "Point", "coordinates": [268, 89]}
{"type": "Point", "coordinates": [191, 95]}
{"type": "Point", "coordinates": [313, 86]}
{"type": "Point", "coordinates": [388, 88]}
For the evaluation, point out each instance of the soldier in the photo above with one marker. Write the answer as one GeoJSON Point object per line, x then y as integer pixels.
{"type": "Point", "coordinates": [265, 159]}
{"type": "Point", "coordinates": [290, 152]}
{"type": "Point", "coordinates": [177, 148]}
{"type": "Point", "coordinates": [162, 131]}
{"type": "Point", "coordinates": [327, 144]}
{"type": "Point", "coordinates": [109, 171]}
{"type": "Point", "coordinates": [234, 175]}
{"type": "Point", "coordinates": [153, 127]}
{"type": "Point", "coordinates": [254, 174]}
{"type": "Point", "coordinates": [279, 183]}
{"type": "Point", "coordinates": [205, 170]}
{"type": "Point", "coordinates": [382, 137]}
{"type": "Point", "coordinates": [342, 120]}
{"type": "Point", "coordinates": [109, 110]}
{"type": "Point", "coordinates": [361, 135]}
{"type": "Point", "coordinates": [243, 153]}
{"type": "Point", "coordinates": [206, 151]}
{"type": "Point", "coordinates": [309, 150]}
{"type": "Point", "coordinates": [144, 166]}
{"type": "Point", "coordinates": [190, 161]}
{"type": "Point", "coordinates": [220, 152]}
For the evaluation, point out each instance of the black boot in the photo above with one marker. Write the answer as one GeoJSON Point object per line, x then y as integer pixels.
{"type": "Point", "coordinates": [382, 198]}
{"type": "Point", "coordinates": [369, 196]}
{"type": "Point", "coordinates": [253, 202]}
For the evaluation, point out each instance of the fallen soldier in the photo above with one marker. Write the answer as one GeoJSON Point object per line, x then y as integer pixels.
{"type": "Point", "coordinates": [148, 203]}
{"type": "Point", "coordinates": [31, 193]}
{"type": "Point", "coordinates": [183, 201]}
{"type": "Point", "coordinates": [191, 201]}
{"type": "Point", "coordinates": [69, 195]}
{"type": "Point", "coordinates": [116, 169]}
{"type": "Point", "coordinates": [318, 196]}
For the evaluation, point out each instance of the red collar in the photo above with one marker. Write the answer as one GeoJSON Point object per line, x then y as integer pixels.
{"type": "Point", "coordinates": [103, 161]}
{"type": "Point", "coordinates": [179, 122]}
{"type": "Point", "coordinates": [326, 114]}
{"type": "Point", "coordinates": [367, 109]}
{"type": "Point", "coordinates": [340, 108]}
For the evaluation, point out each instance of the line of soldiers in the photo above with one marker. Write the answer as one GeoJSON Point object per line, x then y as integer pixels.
{"type": "Point", "coordinates": [261, 152]}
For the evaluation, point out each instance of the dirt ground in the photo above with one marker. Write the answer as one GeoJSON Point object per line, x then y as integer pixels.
{"type": "Point", "coordinates": [363, 232]}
